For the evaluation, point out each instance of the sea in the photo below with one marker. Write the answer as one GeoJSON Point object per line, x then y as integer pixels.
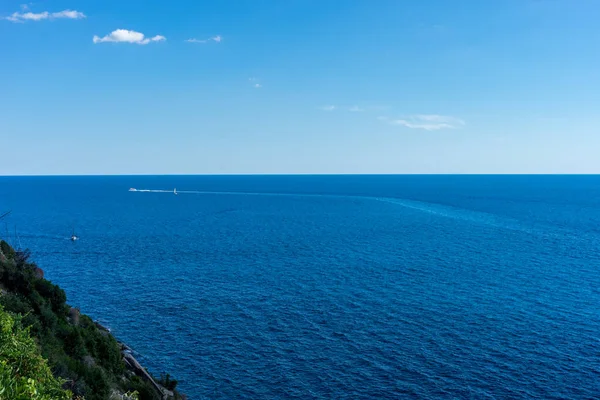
{"type": "Point", "coordinates": [332, 287]}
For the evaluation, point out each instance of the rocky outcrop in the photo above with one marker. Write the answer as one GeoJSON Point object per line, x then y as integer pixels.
{"type": "Point", "coordinates": [104, 330]}
{"type": "Point", "coordinates": [74, 315]}
{"type": "Point", "coordinates": [133, 365]}
{"type": "Point", "coordinates": [39, 273]}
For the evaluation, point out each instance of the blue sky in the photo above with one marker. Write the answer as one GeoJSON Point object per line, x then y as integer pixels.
{"type": "Point", "coordinates": [299, 86]}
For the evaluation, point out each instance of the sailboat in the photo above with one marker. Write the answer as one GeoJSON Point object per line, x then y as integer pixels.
{"type": "Point", "coordinates": [175, 191]}
{"type": "Point", "coordinates": [73, 236]}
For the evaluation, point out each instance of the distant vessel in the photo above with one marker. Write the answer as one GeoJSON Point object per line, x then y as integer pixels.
{"type": "Point", "coordinates": [74, 237]}
{"type": "Point", "coordinates": [132, 189]}
{"type": "Point", "coordinates": [175, 191]}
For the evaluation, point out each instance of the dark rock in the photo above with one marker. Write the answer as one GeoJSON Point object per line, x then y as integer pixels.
{"type": "Point", "coordinates": [74, 315]}
{"type": "Point", "coordinates": [39, 273]}
{"type": "Point", "coordinates": [127, 364]}
{"type": "Point", "coordinates": [101, 327]}
{"type": "Point", "coordinates": [124, 347]}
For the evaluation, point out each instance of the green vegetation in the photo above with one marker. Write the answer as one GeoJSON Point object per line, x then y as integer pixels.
{"type": "Point", "coordinates": [24, 374]}
{"type": "Point", "coordinates": [85, 358]}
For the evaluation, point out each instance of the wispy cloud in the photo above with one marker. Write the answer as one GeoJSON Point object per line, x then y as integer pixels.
{"type": "Point", "coordinates": [30, 16]}
{"type": "Point", "coordinates": [126, 36]}
{"type": "Point", "coordinates": [328, 108]}
{"type": "Point", "coordinates": [428, 122]}
{"type": "Point", "coordinates": [356, 109]}
{"type": "Point", "coordinates": [255, 83]}
{"type": "Point", "coordinates": [353, 109]}
{"type": "Point", "coordinates": [217, 39]}
{"type": "Point", "coordinates": [378, 108]}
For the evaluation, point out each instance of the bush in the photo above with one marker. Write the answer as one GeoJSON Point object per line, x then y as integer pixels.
{"type": "Point", "coordinates": [53, 293]}
{"type": "Point", "coordinates": [144, 389]}
{"type": "Point", "coordinates": [167, 382]}
{"type": "Point", "coordinates": [15, 303]}
{"type": "Point", "coordinates": [7, 250]}
{"type": "Point", "coordinates": [24, 374]}
{"type": "Point", "coordinates": [99, 384]}
{"type": "Point", "coordinates": [74, 344]}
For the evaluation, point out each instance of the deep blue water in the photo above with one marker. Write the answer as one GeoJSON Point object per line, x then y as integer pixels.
{"type": "Point", "coordinates": [333, 287]}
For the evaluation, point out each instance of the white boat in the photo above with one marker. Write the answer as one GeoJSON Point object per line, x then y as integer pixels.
{"type": "Point", "coordinates": [175, 191]}
{"type": "Point", "coordinates": [74, 237]}
{"type": "Point", "coordinates": [132, 189]}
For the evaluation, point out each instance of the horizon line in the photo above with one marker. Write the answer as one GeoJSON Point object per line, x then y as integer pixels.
{"type": "Point", "coordinates": [318, 174]}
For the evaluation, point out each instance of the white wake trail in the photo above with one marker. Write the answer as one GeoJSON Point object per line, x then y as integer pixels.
{"type": "Point", "coordinates": [472, 216]}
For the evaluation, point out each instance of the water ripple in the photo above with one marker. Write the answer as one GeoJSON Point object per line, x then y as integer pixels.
{"type": "Point", "coordinates": [368, 292]}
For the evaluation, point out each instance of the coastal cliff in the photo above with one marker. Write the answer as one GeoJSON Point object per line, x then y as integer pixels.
{"type": "Point", "coordinates": [84, 357]}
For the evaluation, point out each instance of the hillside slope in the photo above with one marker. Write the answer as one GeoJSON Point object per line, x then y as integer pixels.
{"type": "Point", "coordinates": [87, 358]}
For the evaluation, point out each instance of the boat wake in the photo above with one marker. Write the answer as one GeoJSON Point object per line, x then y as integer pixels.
{"type": "Point", "coordinates": [471, 216]}
{"type": "Point", "coordinates": [29, 235]}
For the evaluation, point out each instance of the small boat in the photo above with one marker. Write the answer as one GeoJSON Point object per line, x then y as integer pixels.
{"type": "Point", "coordinates": [175, 191]}
{"type": "Point", "coordinates": [74, 237]}
{"type": "Point", "coordinates": [132, 189]}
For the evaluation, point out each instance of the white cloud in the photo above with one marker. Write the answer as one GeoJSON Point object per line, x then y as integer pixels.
{"type": "Point", "coordinates": [29, 16]}
{"type": "Point", "coordinates": [428, 122]}
{"type": "Point", "coordinates": [356, 109]}
{"type": "Point", "coordinates": [257, 85]}
{"type": "Point", "coordinates": [68, 14]}
{"type": "Point", "coordinates": [126, 36]}
{"type": "Point", "coordinates": [217, 39]}
{"type": "Point", "coordinates": [353, 109]}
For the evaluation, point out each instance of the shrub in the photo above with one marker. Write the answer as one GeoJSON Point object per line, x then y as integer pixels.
{"type": "Point", "coordinates": [7, 250]}
{"type": "Point", "coordinates": [167, 382]}
{"type": "Point", "coordinates": [24, 374]}
{"type": "Point", "coordinates": [99, 384]}
{"type": "Point", "coordinates": [53, 293]}
{"type": "Point", "coordinates": [74, 344]}
{"type": "Point", "coordinates": [15, 303]}
{"type": "Point", "coordinates": [144, 389]}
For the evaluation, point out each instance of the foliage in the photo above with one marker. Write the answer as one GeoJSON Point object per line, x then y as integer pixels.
{"type": "Point", "coordinates": [24, 374]}
{"type": "Point", "coordinates": [143, 388]}
{"type": "Point", "coordinates": [88, 359]}
{"type": "Point", "coordinates": [125, 396]}
{"type": "Point", "coordinates": [167, 382]}
{"type": "Point", "coordinates": [6, 249]}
